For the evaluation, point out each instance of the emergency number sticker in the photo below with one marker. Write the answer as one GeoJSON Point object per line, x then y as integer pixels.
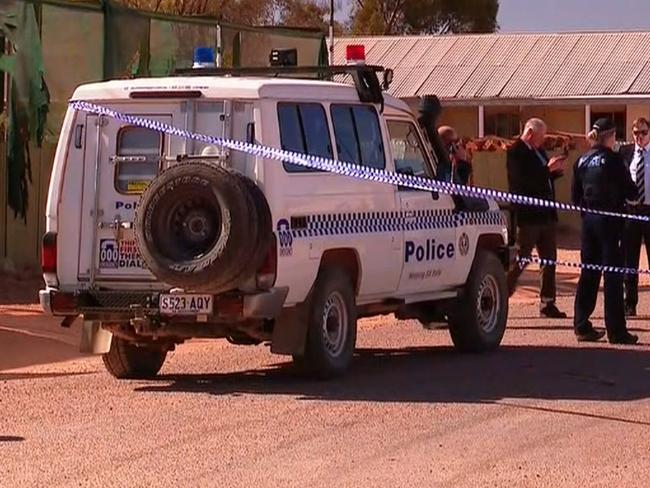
{"type": "Point", "coordinates": [115, 254]}
{"type": "Point", "coordinates": [109, 254]}
{"type": "Point", "coordinates": [285, 238]}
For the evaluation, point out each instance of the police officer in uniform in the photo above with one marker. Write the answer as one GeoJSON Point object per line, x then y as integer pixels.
{"type": "Point", "coordinates": [601, 181]}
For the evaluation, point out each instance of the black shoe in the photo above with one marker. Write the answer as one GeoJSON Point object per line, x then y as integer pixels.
{"type": "Point", "coordinates": [626, 338]}
{"type": "Point", "coordinates": [551, 311]}
{"type": "Point", "coordinates": [592, 336]}
{"type": "Point", "coordinates": [630, 311]}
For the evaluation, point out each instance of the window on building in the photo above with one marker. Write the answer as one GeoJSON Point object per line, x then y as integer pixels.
{"type": "Point", "coordinates": [618, 117]}
{"type": "Point", "coordinates": [358, 135]}
{"type": "Point", "coordinates": [407, 149]}
{"type": "Point", "coordinates": [304, 129]}
{"type": "Point", "coordinates": [502, 124]}
{"type": "Point", "coordinates": [132, 177]}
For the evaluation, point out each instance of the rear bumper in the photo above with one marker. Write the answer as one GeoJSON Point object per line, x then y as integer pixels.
{"type": "Point", "coordinates": [123, 305]}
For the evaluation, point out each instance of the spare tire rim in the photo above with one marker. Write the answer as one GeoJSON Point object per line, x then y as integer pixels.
{"type": "Point", "coordinates": [335, 323]}
{"type": "Point", "coordinates": [192, 226]}
{"type": "Point", "coordinates": [488, 304]}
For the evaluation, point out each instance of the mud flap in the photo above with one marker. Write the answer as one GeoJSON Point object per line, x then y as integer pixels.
{"type": "Point", "coordinates": [94, 339]}
{"type": "Point", "coordinates": [290, 331]}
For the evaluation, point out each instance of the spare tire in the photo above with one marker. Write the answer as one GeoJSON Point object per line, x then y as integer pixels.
{"type": "Point", "coordinates": [199, 227]}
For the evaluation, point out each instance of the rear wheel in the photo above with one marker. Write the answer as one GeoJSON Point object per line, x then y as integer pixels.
{"type": "Point", "coordinates": [332, 327]}
{"type": "Point", "coordinates": [126, 360]}
{"type": "Point", "coordinates": [478, 322]}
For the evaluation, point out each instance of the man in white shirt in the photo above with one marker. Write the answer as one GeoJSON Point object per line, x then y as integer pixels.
{"type": "Point", "coordinates": [637, 157]}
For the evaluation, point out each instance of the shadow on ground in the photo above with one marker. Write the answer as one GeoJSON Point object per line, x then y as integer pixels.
{"type": "Point", "coordinates": [21, 349]}
{"type": "Point", "coordinates": [11, 438]}
{"type": "Point", "coordinates": [439, 375]}
{"type": "Point", "coordinates": [19, 289]}
{"type": "Point", "coordinates": [37, 376]}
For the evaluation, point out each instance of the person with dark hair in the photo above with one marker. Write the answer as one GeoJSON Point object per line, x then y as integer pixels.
{"type": "Point", "coordinates": [531, 173]}
{"type": "Point", "coordinates": [637, 157]}
{"type": "Point", "coordinates": [601, 181]}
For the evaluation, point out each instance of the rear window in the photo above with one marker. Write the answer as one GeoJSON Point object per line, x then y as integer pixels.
{"type": "Point", "coordinates": [303, 129]}
{"type": "Point", "coordinates": [145, 145]}
{"type": "Point", "coordinates": [358, 136]}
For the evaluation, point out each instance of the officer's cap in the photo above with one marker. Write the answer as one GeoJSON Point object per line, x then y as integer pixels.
{"type": "Point", "coordinates": [603, 125]}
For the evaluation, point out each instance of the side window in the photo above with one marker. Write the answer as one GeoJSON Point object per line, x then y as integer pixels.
{"type": "Point", "coordinates": [408, 152]}
{"type": "Point", "coordinates": [132, 177]}
{"type": "Point", "coordinates": [303, 128]}
{"type": "Point", "coordinates": [358, 136]}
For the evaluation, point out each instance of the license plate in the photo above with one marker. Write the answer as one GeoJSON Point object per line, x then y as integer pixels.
{"type": "Point", "coordinates": [185, 304]}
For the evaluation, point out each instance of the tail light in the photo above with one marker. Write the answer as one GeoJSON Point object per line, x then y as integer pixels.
{"type": "Point", "coordinates": [267, 273]}
{"type": "Point", "coordinates": [48, 253]}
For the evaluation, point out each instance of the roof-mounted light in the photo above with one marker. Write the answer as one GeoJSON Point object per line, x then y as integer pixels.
{"type": "Point", "coordinates": [284, 57]}
{"type": "Point", "coordinates": [355, 54]}
{"type": "Point", "coordinates": [204, 58]}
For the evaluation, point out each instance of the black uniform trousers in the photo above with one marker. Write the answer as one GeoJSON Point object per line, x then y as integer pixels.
{"type": "Point", "coordinates": [544, 238]}
{"type": "Point", "coordinates": [601, 244]}
{"type": "Point", "coordinates": [636, 232]}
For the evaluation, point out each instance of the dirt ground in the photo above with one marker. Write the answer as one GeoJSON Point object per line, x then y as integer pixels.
{"type": "Point", "coordinates": [543, 411]}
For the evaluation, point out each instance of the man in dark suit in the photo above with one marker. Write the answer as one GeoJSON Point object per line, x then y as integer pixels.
{"type": "Point", "coordinates": [637, 158]}
{"type": "Point", "coordinates": [532, 173]}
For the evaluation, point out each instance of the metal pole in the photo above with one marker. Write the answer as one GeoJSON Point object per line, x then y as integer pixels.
{"type": "Point", "coordinates": [219, 60]}
{"type": "Point", "coordinates": [331, 56]}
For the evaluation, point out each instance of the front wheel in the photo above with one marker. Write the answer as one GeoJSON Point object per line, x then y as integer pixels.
{"type": "Point", "coordinates": [332, 327]}
{"type": "Point", "coordinates": [126, 360]}
{"type": "Point", "coordinates": [479, 319]}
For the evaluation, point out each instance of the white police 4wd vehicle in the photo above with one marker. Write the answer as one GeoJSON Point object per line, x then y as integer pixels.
{"type": "Point", "coordinates": [154, 239]}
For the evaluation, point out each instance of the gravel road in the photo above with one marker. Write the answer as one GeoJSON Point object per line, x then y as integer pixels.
{"type": "Point", "coordinates": [542, 411]}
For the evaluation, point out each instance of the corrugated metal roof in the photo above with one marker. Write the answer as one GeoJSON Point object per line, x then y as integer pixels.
{"type": "Point", "coordinates": [642, 82]}
{"type": "Point", "coordinates": [456, 66]}
{"type": "Point", "coordinates": [410, 75]}
{"type": "Point", "coordinates": [511, 66]}
{"type": "Point", "coordinates": [497, 67]}
{"type": "Point", "coordinates": [581, 65]}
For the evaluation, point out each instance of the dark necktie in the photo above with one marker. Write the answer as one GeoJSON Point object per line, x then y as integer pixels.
{"type": "Point", "coordinates": [640, 176]}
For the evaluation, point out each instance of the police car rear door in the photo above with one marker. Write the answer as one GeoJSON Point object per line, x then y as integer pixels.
{"type": "Point", "coordinates": [119, 168]}
{"type": "Point", "coordinates": [429, 252]}
{"type": "Point", "coordinates": [119, 162]}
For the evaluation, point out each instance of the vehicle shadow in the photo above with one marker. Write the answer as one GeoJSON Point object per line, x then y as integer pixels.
{"type": "Point", "coordinates": [568, 325]}
{"type": "Point", "coordinates": [37, 376]}
{"type": "Point", "coordinates": [440, 375]}
{"type": "Point", "coordinates": [11, 438]}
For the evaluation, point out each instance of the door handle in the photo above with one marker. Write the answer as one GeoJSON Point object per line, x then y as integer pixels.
{"type": "Point", "coordinates": [117, 226]}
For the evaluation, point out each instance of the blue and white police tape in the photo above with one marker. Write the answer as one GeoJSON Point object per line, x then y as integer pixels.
{"type": "Point", "coordinates": [523, 261]}
{"type": "Point", "coordinates": [341, 167]}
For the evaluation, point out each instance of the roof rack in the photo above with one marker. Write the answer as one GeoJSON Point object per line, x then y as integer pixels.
{"type": "Point", "coordinates": [365, 76]}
